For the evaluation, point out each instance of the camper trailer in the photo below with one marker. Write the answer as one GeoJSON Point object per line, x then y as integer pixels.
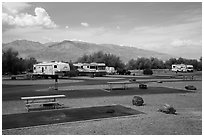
{"type": "Point", "coordinates": [182, 68]}
{"type": "Point", "coordinates": [189, 68]}
{"type": "Point", "coordinates": [110, 70]}
{"type": "Point", "coordinates": [50, 69]}
{"type": "Point", "coordinates": [97, 69]}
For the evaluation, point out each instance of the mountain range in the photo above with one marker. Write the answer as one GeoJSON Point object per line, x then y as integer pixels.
{"type": "Point", "coordinates": [71, 50]}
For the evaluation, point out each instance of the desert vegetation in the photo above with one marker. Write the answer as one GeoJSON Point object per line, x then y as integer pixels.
{"type": "Point", "coordinates": [139, 63]}
{"type": "Point", "coordinates": [13, 64]}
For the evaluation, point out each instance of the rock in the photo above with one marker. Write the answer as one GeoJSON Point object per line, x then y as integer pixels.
{"type": "Point", "coordinates": [190, 87]}
{"type": "Point", "coordinates": [168, 109]}
{"type": "Point", "coordinates": [138, 101]}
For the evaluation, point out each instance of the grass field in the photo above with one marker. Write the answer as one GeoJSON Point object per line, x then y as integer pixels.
{"type": "Point", "coordinates": [64, 115]}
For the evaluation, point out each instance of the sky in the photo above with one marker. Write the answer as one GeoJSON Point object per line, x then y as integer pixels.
{"type": "Point", "coordinates": [174, 28]}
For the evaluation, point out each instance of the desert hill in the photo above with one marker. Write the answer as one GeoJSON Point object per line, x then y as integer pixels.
{"type": "Point", "coordinates": [71, 50]}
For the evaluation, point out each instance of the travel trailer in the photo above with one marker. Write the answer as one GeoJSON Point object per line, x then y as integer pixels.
{"type": "Point", "coordinates": [96, 69]}
{"type": "Point", "coordinates": [182, 68]}
{"type": "Point", "coordinates": [110, 70]}
{"type": "Point", "coordinates": [50, 69]}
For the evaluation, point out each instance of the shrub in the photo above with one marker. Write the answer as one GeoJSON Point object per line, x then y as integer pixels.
{"type": "Point", "coordinates": [72, 73]}
{"type": "Point", "coordinates": [168, 109]}
{"type": "Point", "coordinates": [127, 72]}
{"type": "Point", "coordinates": [147, 72]}
{"type": "Point", "coordinates": [190, 87]}
{"type": "Point", "coordinates": [138, 101]}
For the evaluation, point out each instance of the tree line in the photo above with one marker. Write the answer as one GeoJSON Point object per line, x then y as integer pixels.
{"type": "Point", "coordinates": [100, 57]}
{"type": "Point", "coordinates": [13, 64]}
{"type": "Point", "coordinates": [139, 63]}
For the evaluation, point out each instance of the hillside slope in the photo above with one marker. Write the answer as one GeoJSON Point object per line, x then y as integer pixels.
{"type": "Point", "coordinates": [72, 50]}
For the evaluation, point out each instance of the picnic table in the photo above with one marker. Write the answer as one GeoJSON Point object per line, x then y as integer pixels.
{"type": "Point", "coordinates": [45, 101]}
{"type": "Point", "coordinates": [123, 83]}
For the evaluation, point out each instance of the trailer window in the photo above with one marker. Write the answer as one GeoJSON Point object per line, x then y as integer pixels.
{"type": "Point", "coordinates": [55, 66]}
{"type": "Point", "coordinates": [101, 68]}
{"type": "Point", "coordinates": [92, 67]}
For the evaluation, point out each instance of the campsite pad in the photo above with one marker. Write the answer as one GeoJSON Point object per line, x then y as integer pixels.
{"type": "Point", "coordinates": [65, 115]}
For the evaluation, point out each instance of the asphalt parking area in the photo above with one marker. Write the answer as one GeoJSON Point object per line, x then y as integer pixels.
{"type": "Point", "coordinates": [64, 115]}
{"type": "Point", "coordinates": [93, 92]}
{"type": "Point", "coordinates": [120, 92]}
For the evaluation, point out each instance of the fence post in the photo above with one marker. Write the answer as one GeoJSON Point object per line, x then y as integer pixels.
{"type": "Point", "coordinates": [56, 82]}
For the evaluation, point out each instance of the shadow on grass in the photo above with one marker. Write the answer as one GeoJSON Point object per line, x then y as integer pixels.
{"type": "Point", "coordinates": [64, 115]}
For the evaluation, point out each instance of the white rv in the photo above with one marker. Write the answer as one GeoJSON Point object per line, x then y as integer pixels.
{"type": "Point", "coordinates": [49, 69]}
{"type": "Point", "coordinates": [110, 70]}
{"type": "Point", "coordinates": [189, 68]}
{"type": "Point", "coordinates": [182, 68]}
{"type": "Point", "coordinates": [97, 69]}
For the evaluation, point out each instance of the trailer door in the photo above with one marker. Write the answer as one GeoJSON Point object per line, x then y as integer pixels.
{"type": "Point", "coordinates": [47, 70]}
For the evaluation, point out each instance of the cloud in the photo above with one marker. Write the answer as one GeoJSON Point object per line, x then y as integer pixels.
{"type": "Point", "coordinates": [84, 24]}
{"type": "Point", "coordinates": [181, 43]}
{"type": "Point", "coordinates": [118, 27]}
{"type": "Point", "coordinates": [41, 18]}
{"type": "Point", "coordinates": [14, 7]}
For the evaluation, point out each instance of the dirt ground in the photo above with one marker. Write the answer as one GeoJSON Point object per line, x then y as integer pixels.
{"type": "Point", "coordinates": [187, 121]}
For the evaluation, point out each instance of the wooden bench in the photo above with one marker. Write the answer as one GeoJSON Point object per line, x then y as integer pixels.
{"type": "Point", "coordinates": [44, 101]}
{"type": "Point", "coordinates": [142, 86]}
{"type": "Point", "coordinates": [123, 83]}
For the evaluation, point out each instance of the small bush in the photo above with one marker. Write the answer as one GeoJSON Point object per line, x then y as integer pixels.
{"type": "Point", "coordinates": [127, 72]}
{"type": "Point", "coordinates": [168, 109]}
{"type": "Point", "coordinates": [138, 101]}
{"type": "Point", "coordinates": [190, 87]}
{"type": "Point", "coordinates": [72, 73]}
{"type": "Point", "coordinates": [147, 72]}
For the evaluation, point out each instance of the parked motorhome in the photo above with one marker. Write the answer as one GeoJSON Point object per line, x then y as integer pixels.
{"type": "Point", "coordinates": [97, 69]}
{"type": "Point", "coordinates": [182, 68]}
{"type": "Point", "coordinates": [49, 69]}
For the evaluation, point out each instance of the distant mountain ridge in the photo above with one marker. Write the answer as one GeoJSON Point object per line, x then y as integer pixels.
{"type": "Point", "coordinates": [71, 50]}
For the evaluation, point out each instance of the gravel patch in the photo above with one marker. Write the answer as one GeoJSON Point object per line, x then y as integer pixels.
{"type": "Point", "coordinates": [188, 120]}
